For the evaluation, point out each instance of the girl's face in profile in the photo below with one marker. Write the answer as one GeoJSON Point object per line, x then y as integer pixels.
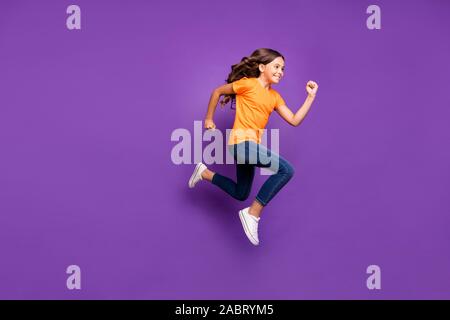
{"type": "Point", "coordinates": [274, 70]}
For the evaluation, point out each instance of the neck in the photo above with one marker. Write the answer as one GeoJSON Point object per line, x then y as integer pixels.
{"type": "Point", "coordinates": [264, 83]}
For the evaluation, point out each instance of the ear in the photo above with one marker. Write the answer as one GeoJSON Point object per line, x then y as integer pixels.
{"type": "Point", "coordinates": [261, 67]}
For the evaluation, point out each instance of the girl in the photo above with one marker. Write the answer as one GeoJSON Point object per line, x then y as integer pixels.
{"type": "Point", "coordinates": [250, 84]}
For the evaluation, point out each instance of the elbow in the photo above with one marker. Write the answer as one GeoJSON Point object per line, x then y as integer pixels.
{"type": "Point", "coordinates": [217, 92]}
{"type": "Point", "coordinates": [297, 122]}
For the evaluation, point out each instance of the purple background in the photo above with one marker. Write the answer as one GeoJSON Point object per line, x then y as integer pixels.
{"type": "Point", "coordinates": [86, 176]}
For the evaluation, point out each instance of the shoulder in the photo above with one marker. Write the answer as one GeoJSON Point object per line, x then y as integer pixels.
{"type": "Point", "coordinates": [275, 92]}
{"type": "Point", "coordinates": [243, 85]}
{"type": "Point", "coordinates": [245, 79]}
{"type": "Point", "coordinates": [278, 99]}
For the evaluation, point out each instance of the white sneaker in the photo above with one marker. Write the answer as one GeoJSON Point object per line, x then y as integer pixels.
{"type": "Point", "coordinates": [250, 225]}
{"type": "Point", "coordinates": [197, 175]}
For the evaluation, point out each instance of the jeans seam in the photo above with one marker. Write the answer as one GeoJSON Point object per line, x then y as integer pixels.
{"type": "Point", "coordinates": [274, 190]}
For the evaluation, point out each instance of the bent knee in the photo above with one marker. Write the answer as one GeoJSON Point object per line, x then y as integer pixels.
{"type": "Point", "coordinates": [242, 196]}
{"type": "Point", "coordinates": [289, 170]}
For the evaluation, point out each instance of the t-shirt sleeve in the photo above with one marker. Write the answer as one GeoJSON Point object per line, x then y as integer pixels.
{"type": "Point", "coordinates": [279, 101]}
{"type": "Point", "coordinates": [242, 85]}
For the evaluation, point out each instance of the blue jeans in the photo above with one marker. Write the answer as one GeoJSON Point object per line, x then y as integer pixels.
{"type": "Point", "coordinates": [249, 155]}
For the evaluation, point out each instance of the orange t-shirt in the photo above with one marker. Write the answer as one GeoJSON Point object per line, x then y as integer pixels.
{"type": "Point", "coordinates": [254, 104]}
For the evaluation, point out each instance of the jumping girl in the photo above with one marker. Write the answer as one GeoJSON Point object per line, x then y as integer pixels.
{"type": "Point", "coordinates": [250, 85]}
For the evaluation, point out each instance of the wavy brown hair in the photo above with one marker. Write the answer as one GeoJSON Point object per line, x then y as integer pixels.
{"type": "Point", "coordinates": [249, 67]}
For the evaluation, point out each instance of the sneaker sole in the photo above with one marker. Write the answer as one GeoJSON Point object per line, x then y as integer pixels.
{"type": "Point", "coordinates": [246, 230]}
{"type": "Point", "coordinates": [191, 180]}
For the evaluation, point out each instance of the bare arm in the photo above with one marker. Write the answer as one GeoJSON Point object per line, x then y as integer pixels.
{"type": "Point", "coordinates": [213, 100]}
{"type": "Point", "coordinates": [297, 118]}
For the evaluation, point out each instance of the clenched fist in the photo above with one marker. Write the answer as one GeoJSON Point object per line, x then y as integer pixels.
{"type": "Point", "coordinates": [311, 88]}
{"type": "Point", "coordinates": [209, 124]}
